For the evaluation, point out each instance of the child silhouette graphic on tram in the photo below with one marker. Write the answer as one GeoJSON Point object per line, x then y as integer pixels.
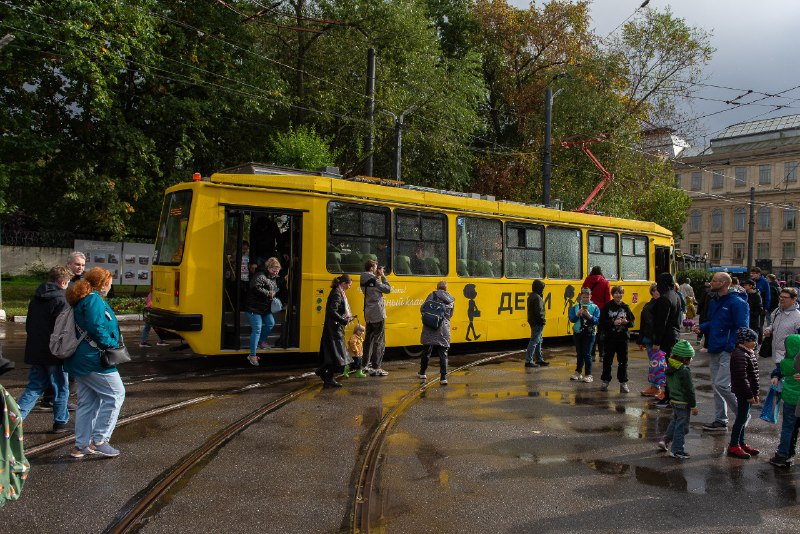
{"type": "Point", "coordinates": [472, 310]}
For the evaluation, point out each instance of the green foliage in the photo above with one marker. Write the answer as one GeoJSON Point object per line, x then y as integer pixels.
{"type": "Point", "coordinates": [698, 279]}
{"type": "Point", "coordinates": [301, 148]}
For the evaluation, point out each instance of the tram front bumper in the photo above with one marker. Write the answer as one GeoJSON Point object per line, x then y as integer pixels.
{"type": "Point", "coordinates": [179, 322]}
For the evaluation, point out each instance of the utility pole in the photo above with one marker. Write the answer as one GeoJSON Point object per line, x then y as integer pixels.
{"type": "Point", "coordinates": [547, 160]}
{"type": "Point", "coordinates": [398, 145]}
{"type": "Point", "coordinates": [751, 228]}
{"type": "Point", "coordinates": [370, 105]}
{"type": "Point", "coordinates": [7, 38]}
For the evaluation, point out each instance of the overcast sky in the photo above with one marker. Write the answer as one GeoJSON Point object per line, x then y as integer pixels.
{"type": "Point", "coordinates": [757, 48]}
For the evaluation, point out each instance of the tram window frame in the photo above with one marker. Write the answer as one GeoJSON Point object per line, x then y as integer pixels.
{"type": "Point", "coordinates": [349, 233]}
{"type": "Point", "coordinates": [167, 229]}
{"type": "Point", "coordinates": [523, 259]}
{"type": "Point", "coordinates": [474, 260]}
{"type": "Point", "coordinates": [434, 248]}
{"type": "Point", "coordinates": [551, 254]}
{"type": "Point", "coordinates": [601, 255]}
{"type": "Point", "coordinates": [645, 254]}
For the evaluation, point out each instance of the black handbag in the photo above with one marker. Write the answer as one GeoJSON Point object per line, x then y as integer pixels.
{"type": "Point", "coordinates": [765, 351]}
{"type": "Point", "coordinates": [115, 356]}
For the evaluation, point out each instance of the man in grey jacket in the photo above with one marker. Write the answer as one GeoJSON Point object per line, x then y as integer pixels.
{"type": "Point", "coordinates": [374, 285]}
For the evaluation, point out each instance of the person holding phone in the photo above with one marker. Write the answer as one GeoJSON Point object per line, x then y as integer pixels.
{"type": "Point", "coordinates": [584, 316]}
{"type": "Point", "coordinates": [374, 285]}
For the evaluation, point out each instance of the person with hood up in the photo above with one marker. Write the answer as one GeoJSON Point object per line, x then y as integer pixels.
{"type": "Point", "coordinates": [536, 320]}
{"type": "Point", "coordinates": [48, 302]}
{"type": "Point", "coordinates": [666, 315]}
{"type": "Point", "coordinates": [784, 320]}
{"type": "Point", "coordinates": [727, 313]}
{"type": "Point", "coordinates": [683, 400]}
{"type": "Point", "coordinates": [615, 320]}
{"type": "Point", "coordinates": [601, 295]}
{"type": "Point", "coordinates": [787, 373]}
{"type": "Point", "coordinates": [744, 384]}
{"type": "Point", "coordinates": [763, 287]}
{"type": "Point", "coordinates": [438, 340]}
{"type": "Point", "coordinates": [374, 285]}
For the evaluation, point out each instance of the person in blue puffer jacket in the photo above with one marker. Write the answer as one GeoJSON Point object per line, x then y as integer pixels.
{"type": "Point", "coordinates": [100, 389]}
{"type": "Point", "coordinates": [728, 311]}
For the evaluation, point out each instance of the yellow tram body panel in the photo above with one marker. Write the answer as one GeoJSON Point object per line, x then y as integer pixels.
{"type": "Point", "coordinates": [194, 295]}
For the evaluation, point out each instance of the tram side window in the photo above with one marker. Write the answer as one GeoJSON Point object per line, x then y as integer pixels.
{"type": "Point", "coordinates": [421, 242]}
{"type": "Point", "coordinates": [479, 247]}
{"type": "Point", "coordinates": [604, 253]}
{"type": "Point", "coordinates": [172, 229]}
{"type": "Point", "coordinates": [524, 251]}
{"type": "Point", "coordinates": [634, 258]}
{"type": "Point", "coordinates": [563, 253]}
{"type": "Point", "coordinates": [356, 234]}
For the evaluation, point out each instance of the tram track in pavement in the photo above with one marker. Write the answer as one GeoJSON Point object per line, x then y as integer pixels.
{"type": "Point", "coordinates": [67, 438]}
{"type": "Point", "coordinates": [372, 457]}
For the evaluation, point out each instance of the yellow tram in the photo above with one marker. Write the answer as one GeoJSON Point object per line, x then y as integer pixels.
{"type": "Point", "coordinates": [320, 225]}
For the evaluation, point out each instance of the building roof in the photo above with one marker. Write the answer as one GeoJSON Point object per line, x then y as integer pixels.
{"type": "Point", "coordinates": [757, 127]}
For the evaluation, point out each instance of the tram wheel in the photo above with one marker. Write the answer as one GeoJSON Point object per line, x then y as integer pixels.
{"type": "Point", "coordinates": [414, 351]}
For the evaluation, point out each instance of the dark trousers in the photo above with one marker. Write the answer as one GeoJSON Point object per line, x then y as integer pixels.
{"type": "Point", "coordinates": [742, 414]}
{"type": "Point", "coordinates": [374, 344]}
{"type": "Point", "coordinates": [620, 348]}
{"type": "Point", "coordinates": [434, 350]}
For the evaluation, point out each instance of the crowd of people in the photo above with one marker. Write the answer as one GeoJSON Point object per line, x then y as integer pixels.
{"type": "Point", "coordinates": [735, 323]}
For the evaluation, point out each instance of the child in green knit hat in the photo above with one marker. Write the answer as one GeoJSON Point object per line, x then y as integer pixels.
{"type": "Point", "coordinates": [786, 372]}
{"type": "Point", "coordinates": [681, 390]}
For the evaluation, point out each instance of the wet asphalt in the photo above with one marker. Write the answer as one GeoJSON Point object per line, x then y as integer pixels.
{"type": "Point", "coordinates": [501, 448]}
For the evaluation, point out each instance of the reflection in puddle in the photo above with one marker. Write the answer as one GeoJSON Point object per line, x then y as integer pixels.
{"type": "Point", "coordinates": [672, 479]}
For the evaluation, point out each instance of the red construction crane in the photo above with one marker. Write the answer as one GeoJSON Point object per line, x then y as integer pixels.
{"type": "Point", "coordinates": [607, 176]}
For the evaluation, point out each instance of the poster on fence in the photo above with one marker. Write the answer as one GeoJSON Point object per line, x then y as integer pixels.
{"type": "Point", "coordinates": [136, 263]}
{"type": "Point", "coordinates": [129, 263]}
{"type": "Point", "coordinates": [103, 254]}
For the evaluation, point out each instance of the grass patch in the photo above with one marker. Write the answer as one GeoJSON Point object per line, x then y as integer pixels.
{"type": "Point", "coordinates": [19, 290]}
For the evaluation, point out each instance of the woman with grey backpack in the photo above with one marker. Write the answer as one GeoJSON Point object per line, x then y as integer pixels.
{"type": "Point", "coordinates": [437, 340]}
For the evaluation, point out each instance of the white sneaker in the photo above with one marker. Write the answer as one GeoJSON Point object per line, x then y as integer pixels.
{"type": "Point", "coordinates": [443, 381]}
{"type": "Point", "coordinates": [422, 376]}
{"type": "Point", "coordinates": [253, 360]}
{"type": "Point", "coordinates": [576, 376]}
{"type": "Point", "coordinates": [379, 372]}
{"type": "Point", "coordinates": [588, 379]}
{"type": "Point", "coordinates": [623, 388]}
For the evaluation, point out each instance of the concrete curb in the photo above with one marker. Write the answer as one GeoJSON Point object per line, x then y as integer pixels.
{"type": "Point", "coordinates": [120, 318]}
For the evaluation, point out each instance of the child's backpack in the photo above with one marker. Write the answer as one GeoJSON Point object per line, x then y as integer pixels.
{"type": "Point", "coordinates": [432, 313]}
{"type": "Point", "coordinates": [64, 341]}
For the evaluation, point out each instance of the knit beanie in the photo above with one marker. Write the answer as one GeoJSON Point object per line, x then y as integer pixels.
{"type": "Point", "coordinates": [682, 349]}
{"type": "Point", "coordinates": [745, 334]}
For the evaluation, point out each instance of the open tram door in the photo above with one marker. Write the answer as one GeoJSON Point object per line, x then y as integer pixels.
{"type": "Point", "coordinates": [252, 236]}
{"type": "Point", "coordinates": [663, 261]}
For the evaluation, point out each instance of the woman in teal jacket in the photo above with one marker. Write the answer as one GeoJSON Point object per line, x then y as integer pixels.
{"type": "Point", "coordinates": [100, 389]}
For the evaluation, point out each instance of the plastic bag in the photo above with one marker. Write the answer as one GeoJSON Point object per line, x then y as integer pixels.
{"type": "Point", "coordinates": [772, 406]}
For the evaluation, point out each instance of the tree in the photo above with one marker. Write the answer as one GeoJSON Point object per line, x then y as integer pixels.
{"type": "Point", "coordinates": [301, 148]}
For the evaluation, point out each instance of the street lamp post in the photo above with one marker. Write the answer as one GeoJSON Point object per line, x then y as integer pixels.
{"type": "Point", "coordinates": [705, 260]}
{"type": "Point", "coordinates": [398, 146]}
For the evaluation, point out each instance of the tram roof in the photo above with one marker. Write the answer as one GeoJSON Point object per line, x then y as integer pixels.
{"type": "Point", "coordinates": [329, 181]}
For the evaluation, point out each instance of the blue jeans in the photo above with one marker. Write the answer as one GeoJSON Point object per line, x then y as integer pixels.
{"type": "Point", "coordinates": [720, 366]}
{"type": "Point", "coordinates": [38, 378]}
{"type": "Point", "coordinates": [260, 327]}
{"type": "Point", "coordinates": [789, 427]}
{"type": "Point", "coordinates": [535, 344]}
{"type": "Point", "coordinates": [742, 416]}
{"type": "Point", "coordinates": [583, 348]}
{"type": "Point", "coordinates": [678, 427]}
{"type": "Point", "coordinates": [100, 397]}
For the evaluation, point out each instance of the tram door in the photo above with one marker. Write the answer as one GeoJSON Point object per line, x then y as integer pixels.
{"type": "Point", "coordinates": [663, 261]}
{"type": "Point", "coordinates": [251, 237]}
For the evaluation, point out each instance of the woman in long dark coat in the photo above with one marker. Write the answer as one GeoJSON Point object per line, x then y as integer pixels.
{"type": "Point", "coordinates": [332, 349]}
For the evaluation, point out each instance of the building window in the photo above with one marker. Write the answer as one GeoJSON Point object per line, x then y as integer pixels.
{"type": "Point", "coordinates": [764, 174]}
{"type": "Point", "coordinates": [716, 251]}
{"type": "Point", "coordinates": [678, 181]}
{"type": "Point", "coordinates": [695, 220]}
{"type": "Point", "coordinates": [738, 220]}
{"type": "Point", "coordinates": [762, 251]}
{"type": "Point", "coordinates": [738, 253]}
{"type": "Point", "coordinates": [790, 171]}
{"type": "Point", "coordinates": [764, 216]}
{"type": "Point", "coordinates": [788, 250]}
{"type": "Point", "coordinates": [716, 220]}
{"type": "Point", "coordinates": [740, 176]}
{"type": "Point", "coordinates": [789, 218]}
{"type": "Point", "coordinates": [694, 249]}
{"type": "Point", "coordinates": [718, 179]}
{"type": "Point", "coordinates": [697, 181]}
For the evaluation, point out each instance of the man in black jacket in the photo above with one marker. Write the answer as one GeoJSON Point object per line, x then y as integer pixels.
{"type": "Point", "coordinates": [615, 320]}
{"type": "Point", "coordinates": [666, 315]}
{"type": "Point", "coordinates": [43, 309]}
{"type": "Point", "coordinates": [537, 320]}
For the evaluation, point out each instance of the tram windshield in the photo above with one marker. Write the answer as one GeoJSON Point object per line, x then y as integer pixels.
{"type": "Point", "coordinates": [172, 228]}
